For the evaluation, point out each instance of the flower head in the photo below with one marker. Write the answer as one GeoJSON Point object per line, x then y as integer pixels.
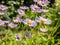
{"type": "Point", "coordinates": [21, 12]}
{"type": "Point", "coordinates": [43, 10]}
{"type": "Point", "coordinates": [43, 2]}
{"type": "Point", "coordinates": [47, 21]}
{"type": "Point", "coordinates": [35, 8]}
{"type": "Point", "coordinates": [43, 20]}
{"type": "Point", "coordinates": [17, 20]}
{"type": "Point", "coordinates": [23, 7]}
{"type": "Point", "coordinates": [18, 37]}
{"type": "Point", "coordinates": [12, 25]}
{"type": "Point", "coordinates": [30, 22]}
{"type": "Point", "coordinates": [43, 30]}
{"type": "Point", "coordinates": [1, 22]}
{"type": "Point", "coordinates": [28, 34]}
{"type": "Point", "coordinates": [3, 7]}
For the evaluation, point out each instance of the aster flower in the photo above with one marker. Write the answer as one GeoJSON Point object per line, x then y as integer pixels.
{"type": "Point", "coordinates": [35, 8]}
{"type": "Point", "coordinates": [43, 20]}
{"type": "Point", "coordinates": [23, 7]}
{"type": "Point", "coordinates": [28, 34]}
{"type": "Point", "coordinates": [43, 2]}
{"type": "Point", "coordinates": [44, 10]}
{"type": "Point", "coordinates": [47, 21]}
{"type": "Point", "coordinates": [21, 12]}
{"type": "Point", "coordinates": [30, 22]}
{"type": "Point", "coordinates": [18, 37]}
{"type": "Point", "coordinates": [1, 13]}
{"type": "Point", "coordinates": [43, 30]}
{"type": "Point", "coordinates": [12, 25]}
{"type": "Point", "coordinates": [3, 7]}
{"type": "Point", "coordinates": [1, 22]}
{"type": "Point", "coordinates": [17, 20]}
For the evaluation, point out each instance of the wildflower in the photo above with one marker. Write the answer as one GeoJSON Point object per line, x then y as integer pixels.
{"type": "Point", "coordinates": [18, 37]}
{"type": "Point", "coordinates": [30, 22]}
{"type": "Point", "coordinates": [43, 2]}
{"type": "Point", "coordinates": [35, 8]}
{"type": "Point", "coordinates": [17, 20]}
{"type": "Point", "coordinates": [1, 22]}
{"type": "Point", "coordinates": [43, 20]}
{"type": "Point", "coordinates": [12, 25]}
{"type": "Point", "coordinates": [43, 30]}
{"type": "Point", "coordinates": [1, 13]}
{"type": "Point", "coordinates": [47, 21]}
{"type": "Point", "coordinates": [21, 12]}
{"type": "Point", "coordinates": [28, 34]}
{"type": "Point", "coordinates": [23, 7]}
{"type": "Point", "coordinates": [43, 10]}
{"type": "Point", "coordinates": [3, 7]}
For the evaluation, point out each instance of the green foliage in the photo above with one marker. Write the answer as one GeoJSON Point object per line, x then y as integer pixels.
{"type": "Point", "coordinates": [7, 36]}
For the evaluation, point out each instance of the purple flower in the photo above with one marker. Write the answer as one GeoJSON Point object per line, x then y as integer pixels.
{"type": "Point", "coordinates": [43, 20]}
{"type": "Point", "coordinates": [3, 7]}
{"type": "Point", "coordinates": [1, 22]}
{"type": "Point", "coordinates": [43, 2]}
{"type": "Point", "coordinates": [28, 34]}
{"type": "Point", "coordinates": [24, 7]}
{"type": "Point", "coordinates": [43, 30]}
{"type": "Point", "coordinates": [30, 22]}
{"type": "Point", "coordinates": [17, 20]}
{"type": "Point", "coordinates": [44, 10]}
{"type": "Point", "coordinates": [35, 8]}
{"type": "Point", "coordinates": [21, 12]}
{"type": "Point", "coordinates": [12, 25]}
{"type": "Point", "coordinates": [47, 21]}
{"type": "Point", "coordinates": [40, 19]}
{"type": "Point", "coordinates": [18, 37]}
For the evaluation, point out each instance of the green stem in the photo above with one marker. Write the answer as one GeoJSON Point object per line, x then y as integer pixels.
{"type": "Point", "coordinates": [55, 28]}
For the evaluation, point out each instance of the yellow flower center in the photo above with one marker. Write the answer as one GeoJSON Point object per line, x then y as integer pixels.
{"type": "Point", "coordinates": [29, 23]}
{"type": "Point", "coordinates": [36, 8]}
{"type": "Point", "coordinates": [42, 20]}
{"type": "Point", "coordinates": [43, 3]}
{"type": "Point", "coordinates": [0, 22]}
{"type": "Point", "coordinates": [12, 24]}
{"type": "Point", "coordinates": [2, 6]}
{"type": "Point", "coordinates": [38, 0]}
